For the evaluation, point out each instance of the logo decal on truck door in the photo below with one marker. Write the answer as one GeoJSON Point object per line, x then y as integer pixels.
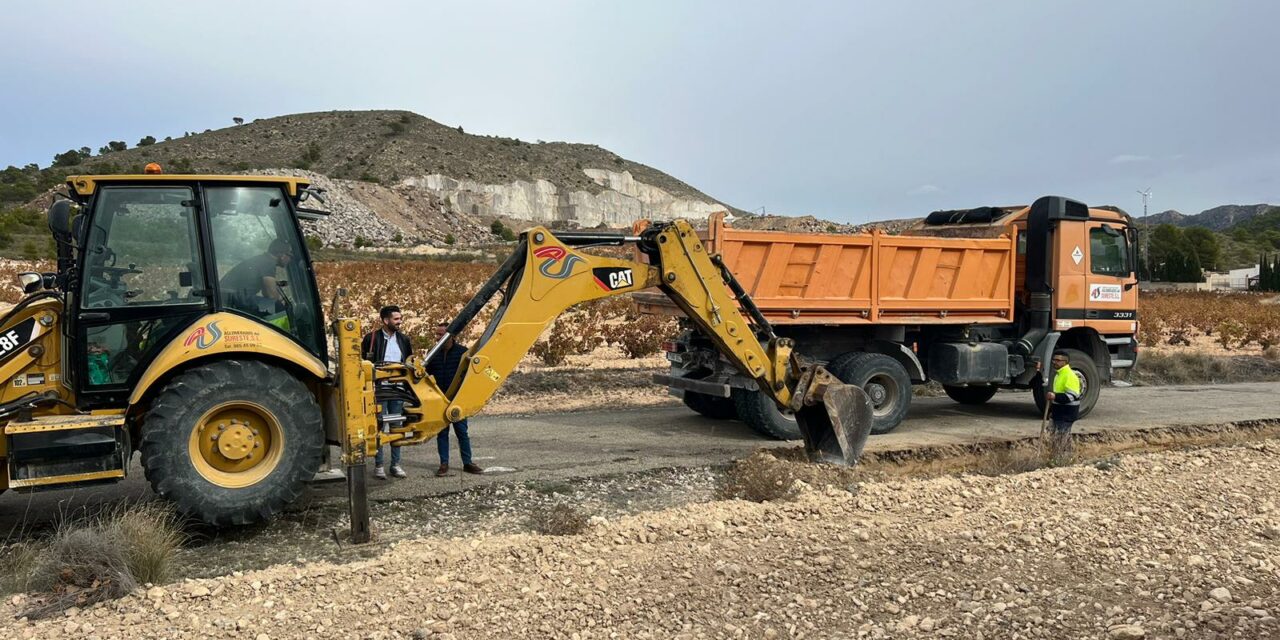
{"type": "Point", "coordinates": [1077, 255]}
{"type": "Point", "coordinates": [613, 278]}
{"type": "Point", "coordinates": [1105, 293]}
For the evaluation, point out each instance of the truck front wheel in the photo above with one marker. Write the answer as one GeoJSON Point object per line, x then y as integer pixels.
{"type": "Point", "coordinates": [232, 442]}
{"type": "Point", "coordinates": [1090, 383]}
{"type": "Point", "coordinates": [886, 383]}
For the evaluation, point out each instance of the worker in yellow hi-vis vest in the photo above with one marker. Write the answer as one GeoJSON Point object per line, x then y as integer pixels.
{"type": "Point", "coordinates": [1064, 401]}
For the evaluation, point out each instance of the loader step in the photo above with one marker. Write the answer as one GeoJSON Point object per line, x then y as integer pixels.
{"type": "Point", "coordinates": [58, 451]}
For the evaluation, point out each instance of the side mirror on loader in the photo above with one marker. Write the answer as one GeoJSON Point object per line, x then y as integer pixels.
{"type": "Point", "coordinates": [64, 221]}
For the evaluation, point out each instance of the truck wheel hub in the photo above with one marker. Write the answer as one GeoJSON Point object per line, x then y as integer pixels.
{"type": "Point", "coordinates": [876, 392]}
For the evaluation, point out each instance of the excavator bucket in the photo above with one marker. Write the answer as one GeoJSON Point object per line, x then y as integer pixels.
{"type": "Point", "coordinates": [834, 417]}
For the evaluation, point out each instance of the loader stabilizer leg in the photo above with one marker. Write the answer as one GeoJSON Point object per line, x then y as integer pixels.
{"type": "Point", "coordinates": [358, 503]}
{"type": "Point", "coordinates": [834, 417]}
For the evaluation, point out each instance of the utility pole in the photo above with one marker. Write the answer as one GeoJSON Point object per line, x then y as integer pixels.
{"type": "Point", "coordinates": [1146, 230]}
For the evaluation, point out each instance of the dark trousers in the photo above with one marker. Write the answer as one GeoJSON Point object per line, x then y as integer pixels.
{"type": "Point", "coordinates": [464, 442]}
{"type": "Point", "coordinates": [1060, 436]}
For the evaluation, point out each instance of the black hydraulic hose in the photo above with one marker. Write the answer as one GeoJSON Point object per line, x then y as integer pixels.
{"type": "Point", "coordinates": [580, 238]}
{"type": "Point", "coordinates": [28, 301]}
{"type": "Point", "coordinates": [481, 298]}
{"type": "Point", "coordinates": [490, 287]}
{"type": "Point", "coordinates": [743, 298]}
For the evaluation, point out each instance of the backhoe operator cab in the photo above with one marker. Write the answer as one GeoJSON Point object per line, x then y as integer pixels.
{"type": "Point", "coordinates": [183, 321]}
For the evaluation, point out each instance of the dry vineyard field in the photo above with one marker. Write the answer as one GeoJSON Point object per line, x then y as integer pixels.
{"type": "Point", "coordinates": [434, 291]}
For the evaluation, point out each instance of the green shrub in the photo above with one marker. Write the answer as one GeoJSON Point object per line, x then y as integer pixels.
{"type": "Point", "coordinates": [449, 239]}
{"type": "Point", "coordinates": [314, 243]}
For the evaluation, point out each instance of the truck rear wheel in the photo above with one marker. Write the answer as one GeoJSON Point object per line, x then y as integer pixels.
{"type": "Point", "coordinates": [232, 442]}
{"type": "Point", "coordinates": [712, 407]}
{"type": "Point", "coordinates": [972, 394]}
{"type": "Point", "coordinates": [762, 414]}
{"type": "Point", "coordinates": [1090, 383]}
{"type": "Point", "coordinates": [884, 380]}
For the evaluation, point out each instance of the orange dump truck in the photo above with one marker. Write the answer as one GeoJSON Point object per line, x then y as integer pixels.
{"type": "Point", "coordinates": [976, 300]}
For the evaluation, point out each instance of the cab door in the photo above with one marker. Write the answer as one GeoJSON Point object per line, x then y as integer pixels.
{"type": "Point", "coordinates": [141, 282]}
{"type": "Point", "coordinates": [1112, 296]}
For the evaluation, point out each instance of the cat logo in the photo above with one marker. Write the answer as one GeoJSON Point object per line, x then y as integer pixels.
{"type": "Point", "coordinates": [613, 278]}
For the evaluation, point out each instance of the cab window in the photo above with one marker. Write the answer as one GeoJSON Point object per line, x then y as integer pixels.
{"type": "Point", "coordinates": [142, 249]}
{"type": "Point", "coordinates": [261, 267]}
{"type": "Point", "coordinates": [1108, 252]}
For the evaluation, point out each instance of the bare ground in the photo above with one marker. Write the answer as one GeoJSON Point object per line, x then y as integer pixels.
{"type": "Point", "coordinates": [1170, 544]}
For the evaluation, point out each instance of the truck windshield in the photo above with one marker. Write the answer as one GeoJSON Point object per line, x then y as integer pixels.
{"type": "Point", "coordinates": [262, 271]}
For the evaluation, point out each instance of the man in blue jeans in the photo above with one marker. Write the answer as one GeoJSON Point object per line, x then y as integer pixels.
{"type": "Point", "coordinates": [444, 368]}
{"type": "Point", "coordinates": [387, 344]}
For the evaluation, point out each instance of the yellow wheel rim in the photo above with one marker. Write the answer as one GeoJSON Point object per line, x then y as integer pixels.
{"type": "Point", "coordinates": [236, 444]}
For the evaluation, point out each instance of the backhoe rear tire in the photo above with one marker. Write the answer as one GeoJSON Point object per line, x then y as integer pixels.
{"type": "Point", "coordinates": [232, 442]}
{"type": "Point", "coordinates": [972, 394]}
{"type": "Point", "coordinates": [762, 414]}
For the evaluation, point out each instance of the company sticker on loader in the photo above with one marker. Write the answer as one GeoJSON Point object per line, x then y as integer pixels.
{"type": "Point", "coordinates": [14, 339]}
{"type": "Point", "coordinates": [203, 337]}
{"type": "Point", "coordinates": [613, 278]}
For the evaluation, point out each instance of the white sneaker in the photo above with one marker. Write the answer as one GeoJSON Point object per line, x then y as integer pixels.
{"type": "Point", "coordinates": [398, 472]}
{"type": "Point", "coordinates": [380, 473]}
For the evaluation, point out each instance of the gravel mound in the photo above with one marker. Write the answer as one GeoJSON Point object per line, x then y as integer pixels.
{"type": "Point", "coordinates": [1180, 544]}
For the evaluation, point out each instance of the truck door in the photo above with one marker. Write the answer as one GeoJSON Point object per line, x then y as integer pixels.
{"type": "Point", "coordinates": [1112, 296]}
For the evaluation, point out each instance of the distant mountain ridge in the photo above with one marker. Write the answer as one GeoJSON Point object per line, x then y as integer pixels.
{"type": "Point", "coordinates": [1220, 218]}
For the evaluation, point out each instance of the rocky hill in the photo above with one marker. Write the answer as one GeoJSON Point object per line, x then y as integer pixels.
{"type": "Point", "coordinates": [1219, 218]}
{"type": "Point", "coordinates": [396, 177]}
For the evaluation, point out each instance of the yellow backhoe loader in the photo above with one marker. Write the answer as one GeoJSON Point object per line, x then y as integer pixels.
{"type": "Point", "coordinates": [183, 321]}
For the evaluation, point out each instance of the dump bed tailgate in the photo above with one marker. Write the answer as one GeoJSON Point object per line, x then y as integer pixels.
{"type": "Point", "coordinates": [817, 278]}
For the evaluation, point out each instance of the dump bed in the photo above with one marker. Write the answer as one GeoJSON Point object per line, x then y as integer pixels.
{"type": "Point", "coordinates": [870, 278]}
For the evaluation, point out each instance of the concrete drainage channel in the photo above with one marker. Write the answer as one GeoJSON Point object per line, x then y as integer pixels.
{"type": "Point", "coordinates": [308, 534]}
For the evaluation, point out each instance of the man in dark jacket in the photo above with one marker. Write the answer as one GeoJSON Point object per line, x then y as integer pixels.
{"type": "Point", "coordinates": [387, 344]}
{"type": "Point", "coordinates": [444, 368]}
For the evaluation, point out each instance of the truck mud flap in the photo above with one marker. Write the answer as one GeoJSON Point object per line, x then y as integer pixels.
{"type": "Point", "coordinates": [834, 417]}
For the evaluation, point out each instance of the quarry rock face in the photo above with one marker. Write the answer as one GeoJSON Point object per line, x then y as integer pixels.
{"type": "Point", "coordinates": [622, 201]}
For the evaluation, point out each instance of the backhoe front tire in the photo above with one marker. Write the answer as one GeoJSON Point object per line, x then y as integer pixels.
{"type": "Point", "coordinates": [762, 414]}
{"type": "Point", "coordinates": [232, 442]}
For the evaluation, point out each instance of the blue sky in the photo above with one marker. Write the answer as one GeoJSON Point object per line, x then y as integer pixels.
{"type": "Point", "coordinates": [846, 110]}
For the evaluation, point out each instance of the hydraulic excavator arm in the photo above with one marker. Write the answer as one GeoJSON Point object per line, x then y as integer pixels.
{"type": "Point", "coordinates": [545, 276]}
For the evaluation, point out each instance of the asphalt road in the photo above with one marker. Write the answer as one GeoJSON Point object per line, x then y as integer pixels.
{"type": "Point", "coordinates": [562, 446]}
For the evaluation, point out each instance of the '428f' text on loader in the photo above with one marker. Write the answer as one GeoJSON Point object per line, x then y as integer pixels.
{"type": "Point", "coordinates": [183, 322]}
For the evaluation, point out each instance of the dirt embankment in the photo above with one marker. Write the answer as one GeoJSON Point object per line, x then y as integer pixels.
{"type": "Point", "coordinates": [1182, 544]}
